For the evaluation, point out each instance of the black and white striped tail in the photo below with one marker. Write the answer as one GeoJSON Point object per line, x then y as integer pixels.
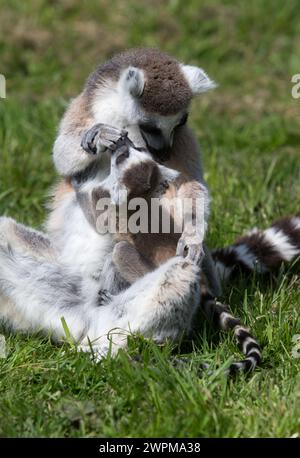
{"type": "Point", "coordinates": [220, 315]}
{"type": "Point", "coordinates": [261, 250]}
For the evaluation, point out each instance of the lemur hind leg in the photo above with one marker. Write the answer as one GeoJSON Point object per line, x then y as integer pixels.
{"type": "Point", "coordinates": [221, 317]}
{"type": "Point", "coordinates": [29, 242]}
{"type": "Point", "coordinates": [161, 305]}
{"type": "Point", "coordinates": [25, 239]}
{"type": "Point", "coordinates": [36, 291]}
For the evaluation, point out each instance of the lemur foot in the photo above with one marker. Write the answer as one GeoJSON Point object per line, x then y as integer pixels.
{"type": "Point", "coordinates": [103, 297]}
{"type": "Point", "coordinates": [100, 137]}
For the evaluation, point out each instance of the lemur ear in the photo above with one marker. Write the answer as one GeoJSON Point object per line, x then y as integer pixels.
{"type": "Point", "coordinates": [168, 174]}
{"type": "Point", "coordinates": [198, 80]}
{"type": "Point", "coordinates": [133, 81]}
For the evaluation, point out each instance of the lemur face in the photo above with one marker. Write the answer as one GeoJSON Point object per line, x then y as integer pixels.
{"type": "Point", "coordinates": [157, 128]}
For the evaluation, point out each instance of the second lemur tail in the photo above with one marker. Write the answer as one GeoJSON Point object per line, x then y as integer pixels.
{"type": "Point", "coordinates": [261, 250]}
{"type": "Point", "coordinates": [221, 317]}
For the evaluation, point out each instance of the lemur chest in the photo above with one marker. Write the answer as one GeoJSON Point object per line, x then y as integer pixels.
{"type": "Point", "coordinates": [78, 244]}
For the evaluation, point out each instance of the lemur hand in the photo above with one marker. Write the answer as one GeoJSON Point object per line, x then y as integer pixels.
{"type": "Point", "coordinates": [100, 137]}
{"type": "Point", "coordinates": [191, 246]}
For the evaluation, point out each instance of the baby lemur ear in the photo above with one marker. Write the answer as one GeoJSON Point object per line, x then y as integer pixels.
{"type": "Point", "coordinates": [132, 80]}
{"type": "Point", "coordinates": [198, 80]}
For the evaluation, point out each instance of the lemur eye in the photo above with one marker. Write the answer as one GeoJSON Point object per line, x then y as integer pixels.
{"type": "Point", "coordinates": [150, 129]}
{"type": "Point", "coordinates": [183, 120]}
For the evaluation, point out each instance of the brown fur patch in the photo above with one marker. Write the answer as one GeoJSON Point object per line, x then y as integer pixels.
{"type": "Point", "coordinates": [156, 248]}
{"type": "Point", "coordinates": [99, 193]}
{"type": "Point", "coordinates": [141, 178]}
{"type": "Point", "coordinates": [78, 116]}
{"type": "Point", "coordinates": [129, 262]}
{"type": "Point", "coordinates": [166, 90]}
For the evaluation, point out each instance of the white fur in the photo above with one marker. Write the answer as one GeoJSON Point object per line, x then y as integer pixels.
{"type": "Point", "coordinates": [132, 81]}
{"type": "Point", "coordinates": [246, 342]}
{"type": "Point", "coordinates": [224, 318]}
{"type": "Point", "coordinates": [296, 222]}
{"type": "Point", "coordinates": [160, 305]}
{"type": "Point", "coordinates": [77, 160]}
{"type": "Point", "coordinates": [281, 243]}
{"type": "Point", "coordinates": [116, 106]}
{"type": "Point", "coordinates": [198, 80]}
{"type": "Point", "coordinates": [77, 243]}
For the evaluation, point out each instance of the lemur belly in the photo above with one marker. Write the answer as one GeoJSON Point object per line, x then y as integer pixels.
{"type": "Point", "coordinates": [79, 246]}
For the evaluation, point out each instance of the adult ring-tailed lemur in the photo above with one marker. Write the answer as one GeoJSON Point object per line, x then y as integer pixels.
{"type": "Point", "coordinates": [147, 93]}
{"type": "Point", "coordinates": [147, 288]}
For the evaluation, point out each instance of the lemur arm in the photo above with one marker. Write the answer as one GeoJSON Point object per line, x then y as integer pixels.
{"type": "Point", "coordinates": [194, 196]}
{"type": "Point", "coordinates": [190, 165]}
{"type": "Point", "coordinates": [80, 141]}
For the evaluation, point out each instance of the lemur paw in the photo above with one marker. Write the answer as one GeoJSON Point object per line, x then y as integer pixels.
{"type": "Point", "coordinates": [190, 247]}
{"type": "Point", "coordinates": [100, 137]}
{"type": "Point", "coordinates": [103, 297]}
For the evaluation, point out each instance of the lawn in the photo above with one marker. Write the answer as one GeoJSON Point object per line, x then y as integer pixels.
{"type": "Point", "coordinates": [249, 129]}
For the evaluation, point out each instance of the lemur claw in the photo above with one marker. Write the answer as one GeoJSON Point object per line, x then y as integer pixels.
{"type": "Point", "coordinates": [101, 137]}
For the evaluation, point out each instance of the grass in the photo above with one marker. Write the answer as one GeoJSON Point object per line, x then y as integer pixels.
{"type": "Point", "coordinates": [249, 131]}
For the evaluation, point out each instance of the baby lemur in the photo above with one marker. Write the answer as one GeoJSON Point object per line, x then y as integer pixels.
{"type": "Point", "coordinates": [135, 175]}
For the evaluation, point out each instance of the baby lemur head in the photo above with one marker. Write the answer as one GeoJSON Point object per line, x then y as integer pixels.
{"type": "Point", "coordinates": [147, 93]}
{"type": "Point", "coordinates": [135, 170]}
